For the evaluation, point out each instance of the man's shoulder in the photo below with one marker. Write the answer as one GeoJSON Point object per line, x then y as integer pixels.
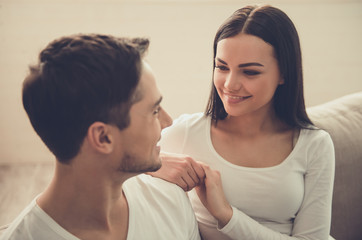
{"type": "Point", "coordinates": [34, 223]}
{"type": "Point", "coordinates": [162, 208]}
{"type": "Point", "coordinates": [16, 229]}
{"type": "Point", "coordinates": [150, 191]}
{"type": "Point", "coordinates": [145, 183]}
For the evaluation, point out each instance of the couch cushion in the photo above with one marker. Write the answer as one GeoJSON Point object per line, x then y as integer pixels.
{"type": "Point", "coordinates": [342, 118]}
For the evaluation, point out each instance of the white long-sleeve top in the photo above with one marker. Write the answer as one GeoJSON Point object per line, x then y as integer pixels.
{"type": "Point", "coordinates": [291, 200]}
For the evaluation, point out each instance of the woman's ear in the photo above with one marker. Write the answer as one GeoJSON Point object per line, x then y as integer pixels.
{"type": "Point", "coordinates": [100, 137]}
{"type": "Point", "coordinates": [281, 81]}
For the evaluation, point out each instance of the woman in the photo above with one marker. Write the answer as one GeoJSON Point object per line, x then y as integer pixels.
{"type": "Point", "coordinates": [276, 168]}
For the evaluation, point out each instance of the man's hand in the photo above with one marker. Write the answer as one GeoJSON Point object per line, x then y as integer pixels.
{"type": "Point", "coordinates": [181, 170]}
{"type": "Point", "coordinates": [213, 198]}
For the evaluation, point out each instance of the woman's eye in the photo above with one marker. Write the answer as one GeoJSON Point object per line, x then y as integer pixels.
{"type": "Point", "coordinates": [222, 68]}
{"type": "Point", "coordinates": [251, 72]}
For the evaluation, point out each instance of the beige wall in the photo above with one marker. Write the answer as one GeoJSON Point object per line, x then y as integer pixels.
{"type": "Point", "coordinates": [181, 34]}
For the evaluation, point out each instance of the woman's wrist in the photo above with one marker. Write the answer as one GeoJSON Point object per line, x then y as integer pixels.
{"type": "Point", "coordinates": [224, 218]}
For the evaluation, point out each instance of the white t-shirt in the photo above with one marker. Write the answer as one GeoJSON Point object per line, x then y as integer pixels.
{"type": "Point", "coordinates": [290, 199]}
{"type": "Point", "coordinates": [157, 210]}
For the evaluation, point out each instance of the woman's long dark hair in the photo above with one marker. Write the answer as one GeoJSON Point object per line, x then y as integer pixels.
{"type": "Point", "coordinates": [274, 27]}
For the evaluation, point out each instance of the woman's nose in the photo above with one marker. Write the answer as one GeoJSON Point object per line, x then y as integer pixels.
{"type": "Point", "coordinates": [233, 82]}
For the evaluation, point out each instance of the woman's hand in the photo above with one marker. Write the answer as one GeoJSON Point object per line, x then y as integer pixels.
{"type": "Point", "coordinates": [213, 198]}
{"type": "Point", "coordinates": [181, 170]}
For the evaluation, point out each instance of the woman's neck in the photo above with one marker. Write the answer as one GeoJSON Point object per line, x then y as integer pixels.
{"type": "Point", "coordinates": [252, 124]}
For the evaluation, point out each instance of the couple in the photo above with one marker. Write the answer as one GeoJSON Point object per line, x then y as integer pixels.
{"type": "Point", "coordinates": [264, 170]}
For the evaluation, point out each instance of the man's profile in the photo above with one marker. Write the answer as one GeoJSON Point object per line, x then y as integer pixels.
{"type": "Point", "coordinates": [94, 102]}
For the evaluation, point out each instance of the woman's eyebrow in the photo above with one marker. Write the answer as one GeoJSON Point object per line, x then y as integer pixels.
{"type": "Point", "coordinates": [242, 64]}
{"type": "Point", "coordinates": [250, 64]}
{"type": "Point", "coordinates": [222, 61]}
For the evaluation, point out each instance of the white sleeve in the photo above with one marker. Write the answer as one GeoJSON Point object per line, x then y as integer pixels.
{"type": "Point", "coordinates": [183, 213]}
{"type": "Point", "coordinates": [314, 217]}
{"type": "Point", "coordinates": [190, 218]}
{"type": "Point", "coordinates": [173, 138]}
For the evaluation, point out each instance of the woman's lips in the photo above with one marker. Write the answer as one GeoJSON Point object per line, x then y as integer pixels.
{"type": "Point", "coordinates": [235, 99]}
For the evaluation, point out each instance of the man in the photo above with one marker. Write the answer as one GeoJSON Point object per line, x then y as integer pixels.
{"type": "Point", "coordinates": [94, 102]}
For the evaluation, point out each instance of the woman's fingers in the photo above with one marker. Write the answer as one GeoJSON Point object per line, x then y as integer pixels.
{"type": "Point", "coordinates": [181, 170]}
{"type": "Point", "coordinates": [198, 170]}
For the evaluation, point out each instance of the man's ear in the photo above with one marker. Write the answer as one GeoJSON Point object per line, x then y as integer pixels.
{"type": "Point", "coordinates": [100, 137]}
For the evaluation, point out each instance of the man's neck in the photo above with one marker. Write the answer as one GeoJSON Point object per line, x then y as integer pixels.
{"type": "Point", "coordinates": [86, 202]}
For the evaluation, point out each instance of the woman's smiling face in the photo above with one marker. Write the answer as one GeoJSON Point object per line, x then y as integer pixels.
{"type": "Point", "coordinates": [246, 74]}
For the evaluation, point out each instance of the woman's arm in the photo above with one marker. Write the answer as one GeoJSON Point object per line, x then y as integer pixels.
{"type": "Point", "coordinates": [212, 196]}
{"type": "Point", "coordinates": [313, 218]}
